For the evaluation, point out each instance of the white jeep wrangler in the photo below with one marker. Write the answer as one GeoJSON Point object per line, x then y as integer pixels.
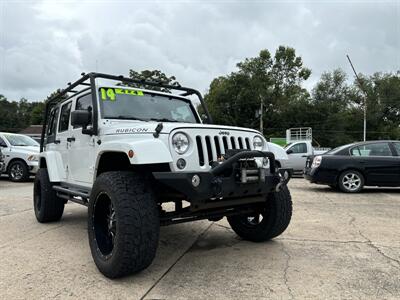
{"type": "Point", "coordinates": [126, 152]}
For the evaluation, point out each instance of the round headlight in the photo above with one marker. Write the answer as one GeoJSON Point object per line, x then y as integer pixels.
{"type": "Point", "coordinates": [258, 143]}
{"type": "Point", "coordinates": [180, 142]}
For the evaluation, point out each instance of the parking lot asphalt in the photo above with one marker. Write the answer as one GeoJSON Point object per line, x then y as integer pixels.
{"type": "Point", "coordinates": [337, 246]}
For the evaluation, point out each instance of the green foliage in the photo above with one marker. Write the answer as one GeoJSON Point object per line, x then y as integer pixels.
{"type": "Point", "coordinates": [334, 109]}
{"type": "Point", "coordinates": [37, 113]}
{"type": "Point", "coordinates": [275, 81]}
{"type": "Point", "coordinates": [153, 76]}
{"type": "Point", "coordinates": [15, 116]}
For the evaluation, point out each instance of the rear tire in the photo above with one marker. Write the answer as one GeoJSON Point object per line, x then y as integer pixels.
{"type": "Point", "coordinates": [123, 224]}
{"type": "Point", "coordinates": [18, 171]}
{"type": "Point", "coordinates": [48, 207]}
{"type": "Point", "coordinates": [351, 181]}
{"type": "Point", "coordinates": [276, 217]}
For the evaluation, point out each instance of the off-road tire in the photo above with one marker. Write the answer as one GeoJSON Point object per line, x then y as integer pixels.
{"type": "Point", "coordinates": [343, 187]}
{"type": "Point", "coordinates": [48, 207]}
{"type": "Point", "coordinates": [137, 223]}
{"type": "Point", "coordinates": [277, 214]}
{"type": "Point", "coordinates": [24, 169]}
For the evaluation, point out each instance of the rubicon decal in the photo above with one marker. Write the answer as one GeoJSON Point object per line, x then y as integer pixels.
{"type": "Point", "coordinates": [132, 130]}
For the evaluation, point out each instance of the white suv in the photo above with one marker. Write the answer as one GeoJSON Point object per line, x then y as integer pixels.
{"type": "Point", "coordinates": [126, 152]}
{"type": "Point", "coordinates": [21, 154]}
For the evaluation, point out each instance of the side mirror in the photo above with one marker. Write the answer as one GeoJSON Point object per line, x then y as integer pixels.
{"type": "Point", "coordinates": [81, 118]}
{"type": "Point", "coordinates": [290, 151]}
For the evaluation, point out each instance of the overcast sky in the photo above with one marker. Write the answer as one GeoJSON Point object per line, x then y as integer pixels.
{"type": "Point", "coordinates": [45, 44]}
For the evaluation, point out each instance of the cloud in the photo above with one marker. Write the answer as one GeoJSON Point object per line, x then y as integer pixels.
{"type": "Point", "coordinates": [45, 44]}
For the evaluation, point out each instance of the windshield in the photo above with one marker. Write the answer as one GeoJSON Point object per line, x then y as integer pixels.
{"type": "Point", "coordinates": [287, 146]}
{"type": "Point", "coordinates": [120, 103]}
{"type": "Point", "coordinates": [20, 140]}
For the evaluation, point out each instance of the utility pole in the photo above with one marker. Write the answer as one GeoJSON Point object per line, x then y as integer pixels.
{"type": "Point", "coordinates": [261, 116]}
{"type": "Point", "coordinates": [365, 98]}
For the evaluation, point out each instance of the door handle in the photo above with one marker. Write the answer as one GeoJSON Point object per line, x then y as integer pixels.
{"type": "Point", "coordinates": [71, 139]}
{"type": "Point", "coordinates": [57, 141]}
{"type": "Point", "coordinates": [304, 156]}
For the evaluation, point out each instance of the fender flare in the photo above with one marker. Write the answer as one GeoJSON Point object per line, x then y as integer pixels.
{"type": "Point", "coordinates": [144, 151]}
{"type": "Point", "coordinates": [54, 165]}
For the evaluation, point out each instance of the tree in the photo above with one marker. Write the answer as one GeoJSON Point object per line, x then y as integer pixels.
{"type": "Point", "coordinates": [273, 81]}
{"type": "Point", "coordinates": [331, 105]}
{"type": "Point", "coordinates": [152, 76]}
{"type": "Point", "coordinates": [9, 120]}
{"type": "Point", "coordinates": [36, 117]}
{"type": "Point", "coordinates": [383, 104]}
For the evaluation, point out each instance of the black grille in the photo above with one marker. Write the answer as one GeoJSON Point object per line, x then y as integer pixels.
{"type": "Point", "coordinates": [210, 148]}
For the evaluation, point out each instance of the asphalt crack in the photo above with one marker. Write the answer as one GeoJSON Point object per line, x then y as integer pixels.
{"type": "Point", "coordinates": [177, 260]}
{"type": "Point", "coordinates": [367, 240]}
{"type": "Point", "coordinates": [285, 271]}
{"type": "Point", "coordinates": [377, 249]}
{"type": "Point", "coordinates": [333, 242]}
{"type": "Point", "coordinates": [223, 226]}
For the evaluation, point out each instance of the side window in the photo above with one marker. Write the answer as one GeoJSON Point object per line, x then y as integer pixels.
{"type": "Point", "coordinates": [84, 103]}
{"type": "Point", "coordinates": [355, 151]}
{"type": "Point", "coordinates": [2, 143]}
{"type": "Point", "coordinates": [378, 149]}
{"type": "Point", "coordinates": [52, 125]}
{"type": "Point", "coordinates": [299, 148]}
{"type": "Point", "coordinates": [397, 147]}
{"type": "Point", "coordinates": [64, 117]}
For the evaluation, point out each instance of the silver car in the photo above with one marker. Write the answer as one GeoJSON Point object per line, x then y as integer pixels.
{"type": "Point", "coordinates": [2, 164]}
{"type": "Point", "coordinates": [20, 156]}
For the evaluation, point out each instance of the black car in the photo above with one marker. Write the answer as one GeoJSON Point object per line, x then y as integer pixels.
{"type": "Point", "coordinates": [351, 167]}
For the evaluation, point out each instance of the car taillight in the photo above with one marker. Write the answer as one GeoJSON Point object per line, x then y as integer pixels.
{"type": "Point", "coordinates": [316, 162]}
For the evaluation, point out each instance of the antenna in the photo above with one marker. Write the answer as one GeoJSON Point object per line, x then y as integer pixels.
{"type": "Point", "coordinates": [365, 98]}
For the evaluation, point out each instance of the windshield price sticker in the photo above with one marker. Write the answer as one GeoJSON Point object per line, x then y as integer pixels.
{"type": "Point", "coordinates": [110, 93]}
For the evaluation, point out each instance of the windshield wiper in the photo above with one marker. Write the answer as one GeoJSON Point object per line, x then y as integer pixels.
{"type": "Point", "coordinates": [163, 120]}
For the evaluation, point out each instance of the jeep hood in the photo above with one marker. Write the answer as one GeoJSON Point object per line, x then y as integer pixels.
{"type": "Point", "coordinates": [135, 127]}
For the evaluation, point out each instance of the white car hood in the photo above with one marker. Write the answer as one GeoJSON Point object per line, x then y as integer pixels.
{"type": "Point", "coordinates": [132, 127]}
{"type": "Point", "coordinates": [279, 152]}
{"type": "Point", "coordinates": [26, 149]}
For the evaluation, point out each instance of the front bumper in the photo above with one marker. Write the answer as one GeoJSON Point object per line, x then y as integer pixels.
{"type": "Point", "coordinates": [33, 167]}
{"type": "Point", "coordinates": [223, 185]}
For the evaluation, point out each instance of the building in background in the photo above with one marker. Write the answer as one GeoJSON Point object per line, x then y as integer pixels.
{"type": "Point", "coordinates": [34, 131]}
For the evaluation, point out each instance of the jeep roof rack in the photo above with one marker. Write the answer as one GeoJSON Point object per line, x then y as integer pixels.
{"type": "Point", "coordinates": [87, 81]}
